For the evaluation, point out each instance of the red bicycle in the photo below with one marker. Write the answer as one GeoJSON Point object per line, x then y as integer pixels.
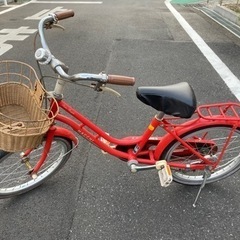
{"type": "Point", "coordinates": [202, 150]}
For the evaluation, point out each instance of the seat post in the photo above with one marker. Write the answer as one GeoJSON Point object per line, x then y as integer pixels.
{"type": "Point", "coordinates": [159, 116]}
{"type": "Point", "coordinates": [148, 132]}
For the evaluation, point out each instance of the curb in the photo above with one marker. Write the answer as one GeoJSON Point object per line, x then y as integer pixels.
{"type": "Point", "coordinates": [228, 14]}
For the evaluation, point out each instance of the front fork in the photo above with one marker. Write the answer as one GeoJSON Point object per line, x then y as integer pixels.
{"type": "Point", "coordinates": [26, 159]}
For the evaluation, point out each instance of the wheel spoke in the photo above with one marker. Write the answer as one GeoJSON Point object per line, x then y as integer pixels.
{"type": "Point", "coordinates": [217, 137]}
{"type": "Point", "coordinates": [14, 174]}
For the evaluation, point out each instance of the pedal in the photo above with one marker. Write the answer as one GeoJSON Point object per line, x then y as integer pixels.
{"type": "Point", "coordinates": [164, 173]}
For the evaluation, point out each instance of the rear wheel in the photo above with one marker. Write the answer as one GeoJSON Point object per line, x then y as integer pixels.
{"type": "Point", "coordinates": [14, 174]}
{"type": "Point", "coordinates": [212, 141]}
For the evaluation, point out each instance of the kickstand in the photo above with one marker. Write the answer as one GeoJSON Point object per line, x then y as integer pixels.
{"type": "Point", "coordinates": [206, 174]}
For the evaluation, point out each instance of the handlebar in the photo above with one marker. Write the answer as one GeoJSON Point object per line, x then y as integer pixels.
{"type": "Point", "coordinates": [43, 56]}
{"type": "Point", "coordinates": [120, 80]}
{"type": "Point", "coordinates": [64, 15]}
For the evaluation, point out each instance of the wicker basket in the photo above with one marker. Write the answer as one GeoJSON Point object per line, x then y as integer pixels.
{"type": "Point", "coordinates": [23, 121]}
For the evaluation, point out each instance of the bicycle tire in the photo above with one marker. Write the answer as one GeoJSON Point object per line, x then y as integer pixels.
{"type": "Point", "coordinates": [14, 175]}
{"type": "Point", "coordinates": [229, 164]}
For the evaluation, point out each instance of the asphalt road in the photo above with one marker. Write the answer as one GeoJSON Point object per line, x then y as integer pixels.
{"type": "Point", "coordinates": [95, 196]}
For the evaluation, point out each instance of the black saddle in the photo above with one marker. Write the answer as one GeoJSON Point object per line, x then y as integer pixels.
{"type": "Point", "coordinates": [177, 100]}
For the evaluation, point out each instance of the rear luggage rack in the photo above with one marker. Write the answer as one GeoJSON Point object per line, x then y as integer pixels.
{"type": "Point", "coordinates": [220, 111]}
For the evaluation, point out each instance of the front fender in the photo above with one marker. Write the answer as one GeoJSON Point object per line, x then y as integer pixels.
{"type": "Point", "coordinates": [63, 132]}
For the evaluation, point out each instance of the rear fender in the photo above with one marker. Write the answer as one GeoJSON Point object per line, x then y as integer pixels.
{"type": "Point", "coordinates": [184, 128]}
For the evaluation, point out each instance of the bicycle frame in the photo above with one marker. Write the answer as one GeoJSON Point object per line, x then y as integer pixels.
{"type": "Point", "coordinates": [144, 149]}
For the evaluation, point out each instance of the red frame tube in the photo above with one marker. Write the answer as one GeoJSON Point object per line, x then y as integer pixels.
{"type": "Point", "coordinates": [49, 139]}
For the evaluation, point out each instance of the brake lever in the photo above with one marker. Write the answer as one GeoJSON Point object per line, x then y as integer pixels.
{"type": "Point", "coordinates": [54, 25]}
{"type": "Point", "coordinates": [99, 87]}
{"type": "Point", "coordinates": [107, 89]}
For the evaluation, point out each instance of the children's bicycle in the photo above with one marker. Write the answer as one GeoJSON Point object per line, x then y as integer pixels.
{"type": "Point", "coordinates": [203, 149]}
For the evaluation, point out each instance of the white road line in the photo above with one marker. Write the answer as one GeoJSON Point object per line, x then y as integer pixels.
{"type": "Point", "coordinates": [14, 7]}
{"type": "Point", "coordinates": [18, 34]}
{"type": "Point", "coordinates": [68, 2]}
{"type": "Point", "coordinates": [58, 2]}
{"type": "Point", "coordinates": [44, 12]}
{"type": "Point", "coordinates": [225, 73]}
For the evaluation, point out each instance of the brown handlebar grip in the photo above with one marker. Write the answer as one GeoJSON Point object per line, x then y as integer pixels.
{"type": "Point", "coordinates": [121, 80]}
{"type": "Point", "coordinates": [64, 14]}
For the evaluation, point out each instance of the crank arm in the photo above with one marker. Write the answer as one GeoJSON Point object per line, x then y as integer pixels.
{"type": "Point", "coordinates": [164, 171]}
{"type": "Point", "coordinates": [134, 167]}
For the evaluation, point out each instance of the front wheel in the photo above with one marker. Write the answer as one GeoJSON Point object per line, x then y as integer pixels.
{"type": "Point", "coordinates": [14, 174]}
{"type": "Point", "coordinates": [213, 139]}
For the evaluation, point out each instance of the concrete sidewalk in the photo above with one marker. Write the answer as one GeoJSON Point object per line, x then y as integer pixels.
{"type": "Point", "coordinates": [223, 10]}
{"type": "Point", "coordinates": [215, 6]}
{"type": "Point", "coordinates": [227, 13]}
{"type": "Point", "coordinates": [220, 13]}
{"type": "Point", "coordinates": [223, 15]}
